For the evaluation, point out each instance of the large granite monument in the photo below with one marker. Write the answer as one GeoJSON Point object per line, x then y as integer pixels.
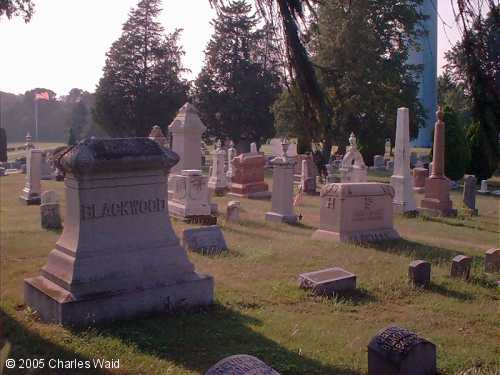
{"type": "Point", "coordinates": [248, 176]}
{"type": "Point", "coordinates": [118, 255]}
{"type": "Point", "coordinates": [353, 167]}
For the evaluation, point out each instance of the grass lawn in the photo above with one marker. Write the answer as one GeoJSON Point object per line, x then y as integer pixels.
{"type": "Point", "coordinates": [13, 155]}
{"type": "Point", "coordinates": [259, 309]}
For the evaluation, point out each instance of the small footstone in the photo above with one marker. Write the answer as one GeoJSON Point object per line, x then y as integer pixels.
{"type": "Point", "coordinates": [492, 261]}
{"type": "Point", "coordinates": [397, 351]}
{"type": "Point", "coordinates": [419, 273]}
{"type": "Point", "coordinates": [233, 211]}
{"type": "Point", "coordinates": [328, 281]}
{"type": "Point", "coordinates": [207, 240]}
{"type": "Point", "coordinates": [460, 267]}
{"type": "Point", "coordinates": [241, 364]}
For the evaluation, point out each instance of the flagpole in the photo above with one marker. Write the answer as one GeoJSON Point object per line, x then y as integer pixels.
{"type": "Point", "coordinates": [36, 120]}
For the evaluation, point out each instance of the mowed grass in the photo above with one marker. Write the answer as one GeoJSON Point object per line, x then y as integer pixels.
{"type": "Point", "coordinates": [13, 155]}
{"type": "Point", "coordinates": [259, 309]}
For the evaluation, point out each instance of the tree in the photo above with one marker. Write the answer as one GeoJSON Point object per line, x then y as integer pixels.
{"type": "Point", "coordinates": [457, 153]}
{"type": "Point", "coordinates": [71, 137]}
{"type": "Point", "coordinates": [17, 8]}
{"type": "Point", "coordinates": [453, 94]}
{"type": "Point", "coordinates": [78, 120]}
{"type": "Point", "coordinates": [141, 84]}
{"type": "Point", "coordinates": [475, 62]}
{"type": "Point", "coordinates": [3, 145]}
{"type": "Point", "coordinates": [237, 86]}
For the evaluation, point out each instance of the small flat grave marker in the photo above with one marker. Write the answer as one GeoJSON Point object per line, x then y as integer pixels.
{"type": "Point", "coordinates": [207, 240]}
{"type": "Point", "coordinates": [328, 281]}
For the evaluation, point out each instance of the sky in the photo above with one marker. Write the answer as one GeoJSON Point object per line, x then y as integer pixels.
{"type": "Point", "coordinates": [65, 44]}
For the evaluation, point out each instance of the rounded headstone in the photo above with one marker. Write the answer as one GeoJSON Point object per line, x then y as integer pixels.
{"type": "Point", "coordinates": [241, 364]}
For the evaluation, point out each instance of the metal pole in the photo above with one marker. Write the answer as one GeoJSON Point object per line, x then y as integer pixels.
{"type": "Point", "coordinates": [36, 120]}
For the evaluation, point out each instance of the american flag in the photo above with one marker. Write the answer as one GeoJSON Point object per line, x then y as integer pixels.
{"type": "Point", "coordinates": [44, 95]}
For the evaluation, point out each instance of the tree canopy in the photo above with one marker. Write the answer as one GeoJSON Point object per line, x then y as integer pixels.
{"type": "Point", "coordinates": [17, 8]}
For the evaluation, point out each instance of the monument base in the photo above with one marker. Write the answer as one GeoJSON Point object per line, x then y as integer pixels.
{"type": "Point", "coordinates": [257, 190]}
{"type": "Point", "coordinates": [419, 190]}
{"type": "Point", "coordinates": [179, 211]}
{"type": "Point", "coordinates": [450, 212]}
{"type": "Point", "coordinates": [279, 218]}
{"type": "Point", "coordinates": [470, 211]}
{"type": "Point", "coordinates": [218, 191]}
{"type": "Point", "coordinates": [57, 305]}
{"type": "Point", "coordinates": [366, 236]}
{"type": "Point", "coordinates": [402, 208]}
{"type": "Point", "coordinates": [29, 198]}
{"type": "Point", "coordinates": [266, 195]}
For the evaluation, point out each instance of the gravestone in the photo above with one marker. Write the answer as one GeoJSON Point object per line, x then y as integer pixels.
{"type": "Point", "coordinates": [401, 180]}
{"type": "Point", "coordinates": [492, 261]}
{"type": "Point", "coordinates": [241, 364]}
{"type": "Point", "coordinates": [2, 171]}
{"type": "Point", "coordinates": [469, 194]}
{"type": "Point", "coordinates": [356, 212]}
{"type": "Point", "coordinates": [205, 240]}
{"type": "Point", "coordinates": [307, 178]}
{"type": "Point", "coordinates": [413, 159]}
{"type": "Point", "coordinates": [419, 176]}
{"type": "Point", "coordinates": [297, 176]}
{"type": "Point", "coordinates": [49, 210]}
{"type": "Point", "coordinates": [157, 135]}
{"type": "Point", "coordinates": [282, 198]}
{"type": "Point", "coordinates": [460, 267]}
{"type": "Point", "coordinates": [217, 181]}
{"type": "Point", "coordinates": [231, 153]}
{"type": "Point", "coordinates": [419, 273]}
{"type": "Point", "coordinates": [32, 188]}
{"type": "Point", "coordinates": [248, 177]}
{"type": "Point", "coordinates": [330, 178]}
{"type": "Point", "coordinates": [233, 211]}
{"type": "Point", "coordinates": [118, 256]}
{"type": "Point", "coordinates": [484, 187]}
{"type": "Point", "coordinates": [328, 282]}
{"type": "Point", "coordinates": [353, 167]}
{"type": "Point", "coordinates": [253, 148]}
{"type": "Point", "coordinates": [278, 151]}
{"type": "Point", "coordinates": [437, 188]}
{"type": "Point", "coordinates": [397, 351]}
{"type": "Point", "coordinates": [379, 163]}
{"type": "Point", "coordinates": [45, 169]}
{"type": "Point", "coordinates": [389, 166]}
{"type": "Point", "coordinates": [388, 149]}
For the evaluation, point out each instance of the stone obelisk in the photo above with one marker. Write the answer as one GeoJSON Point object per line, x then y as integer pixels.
{"type": "Point", "coordinates": [437, 188]}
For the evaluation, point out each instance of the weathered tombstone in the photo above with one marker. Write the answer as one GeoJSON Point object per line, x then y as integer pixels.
{"type": "Point", "coordinates": [32, 188]}
{"type": "Point", "coordinates": [437, 189]}
{"type": "Point", "coordinates": [231, 153]}
{"type": "Point", "coordinates": [2, 171]}
{"type": "Point", "coordinates": [356, 212]}
{"type": "Point", "coordinates": [469, 194]}
{"type": "Point", "coordinates": [157, 135]}
{"type": "Point", "coordinates": [397, 351]}
{"type": "Point", "coordinates": [233, 211]}
{"type": "Point", "coordinates": [253, 148]}
{"type": "Point", "coordinates": [328, 281]}
{"type": "Point", "coordinates": [389, 166]}
{"type": "Point", "coordinates": [118, 256]}
{"type": "Point", "coordinates": [28, 145]}
{"type": "Point", "coordinates": [330, 178]}
{"type": "Point", "coordinates": [248, 177]}
{"type": "Point", "coordinates": [388, 149]}
{"type": "Point", "coordinates": [379, 163]}
{"type": "Point", "coordinates": [419, 176]}
{"type": "Point", "coordinates": [484, 187]}
{"type": "Point", "coordinates": [401, 181]}
{"type": "Point", "coordinates": [492, 261]}
{"type": "Point", "coordinates": [49, 210]}
{"type": "Point", "coordinates": [460, 267]}
{"type": "Point", "coordinates": [413, 159]}
{"type": "Point", "coordinates": [282, 198]}
{"type": "Point", "coordinates": [45, 169]}
{"type": "Point", "coordinates": [217, 181]}
{"type": "Point", "coordinates": [353, 166]}
{"type": "Point", "coordinates": [308, 178]}
{"type": "Point", "coordinates": [241, 364]}
{"type": "Point", "coordinates": [205, 240]}
{"type": "Point", "coordinates": [419, 273]}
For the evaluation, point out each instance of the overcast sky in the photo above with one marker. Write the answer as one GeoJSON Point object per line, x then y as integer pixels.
{"type": "Point", "coordinates": [65, 43]}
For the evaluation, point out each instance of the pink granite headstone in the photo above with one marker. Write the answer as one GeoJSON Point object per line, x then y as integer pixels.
{"type": "Point", "coordinates": [248, 176]}
{"type": "Point", "coordinates": [419, 176]}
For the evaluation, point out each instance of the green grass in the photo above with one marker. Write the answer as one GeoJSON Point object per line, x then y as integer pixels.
{"type": "Point", "coordinates": [13, 155]}
{"type": "Point", "coordinates": [260, 310]}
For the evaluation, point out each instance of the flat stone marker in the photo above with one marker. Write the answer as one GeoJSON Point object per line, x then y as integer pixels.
{"type": "Point", "coordinates": [397, 351]}
{"type": "Point", "coordinates": [241, 364]}
{"type": "Point", "coordinates": [492, 261]}
{"type": "Point", "coordinates": [328, 281]}
{"type": "Point", "coordinates": [49, 210]}
{"type": "Point", "coordinates": [460, 267]}
{"type": "Point", "coordinates": [233, 211]}
{"type": "Point", "coordinates": [207, 240]}
{"type": "Point", "coordinates": [419, 273]}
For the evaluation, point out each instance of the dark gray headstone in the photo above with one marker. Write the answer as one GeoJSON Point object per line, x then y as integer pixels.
{"type": "Point", "coordinates": [492, 261]}
{"type": "Point", "coordinates": [460, 267]}
{"type": "Point", "coordinates": [328, 281]}
{"type": "Point", "coordinates": [207, 240]}
{"type": "Point", "coordinates": [397, 351]}
{"type": "Point", "coordinates": [241, 364]}
{"type": "Point", "coordinates": [419, 273]}
{"type": "Point", "coordinates": [469, 196]}
{"type": "Point", "coordinates": [2, 171]}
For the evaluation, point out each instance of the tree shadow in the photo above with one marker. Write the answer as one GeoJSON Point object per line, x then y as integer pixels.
{"type": "Point", "coordinates": [445, 292]}
{"type": "Point", "coordinates": [356, 297]}
{"type": "Point", "coordinates": [27, 344]}
{"type": "Point", "coordinates": [197, 339]}
{"type": "Point", "coordinates": [455, 223]}
{"type": "Point", "coordinates": [417, 250]}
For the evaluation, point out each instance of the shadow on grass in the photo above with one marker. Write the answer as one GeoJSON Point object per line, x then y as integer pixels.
{"type": "Point", "coordinates": [440, 289]}
{"type": "Point", "coordinates": [417, 250]}
{"type": "Point", "coordinates": [198, 339]}
{"type": "Point", "coordinates": [356, 297]}
{"type": "Point", "coordinates": [456, 223]}
{"type": "Point", "coordinates": [27, 344]}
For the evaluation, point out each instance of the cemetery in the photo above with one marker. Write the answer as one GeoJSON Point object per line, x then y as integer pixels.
{"type": "Point", "coordinates": [297, 215]}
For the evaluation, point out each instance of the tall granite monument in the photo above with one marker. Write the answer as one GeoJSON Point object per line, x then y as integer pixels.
{"type": "Point", "coordinates": [32, 189]}
{"type": "Point", "coordinates": [118, 256]}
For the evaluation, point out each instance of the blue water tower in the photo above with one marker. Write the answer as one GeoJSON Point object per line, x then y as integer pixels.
{"type": "Point", "coordinates": [426, 55]}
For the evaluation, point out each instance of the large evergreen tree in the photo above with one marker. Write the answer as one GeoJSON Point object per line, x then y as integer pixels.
{"type": "Point", "coordinates": [240, 79]}
{"type": "Point", "coordinates": [78, 120]}
{"type": "Point", "coordinates": [141, 84]}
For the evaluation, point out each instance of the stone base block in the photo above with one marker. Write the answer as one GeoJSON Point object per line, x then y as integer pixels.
{"type": "Point", "coordinates": [201, 219]}
{"type": "Point", "coordinates": [431, 212]}
{"type": "Point", "coordinates": [244, 190]}
{"type": "Point", "coordinates": [279, 218]}
{"type": "Point", "coordinates": [403, 209]}
{"type": "Point", "coordinates": [419, 190]}
{"type": "Point", "coordinates": [471, 211]}
{"type": "Point", "coordinates": [218, 191]}
{"type": "Point", "coordinates": [265, 195]}
{"type": "Point", "coordinates": [369, 236]}
{"type": "Point", "coordinates": [328, 281]}
{"type": "Point", "coordinates": [55, 304]}
{"type": "Point", "coordinates": [30, 199]}
{"type": "Point", "coordinates": [179, 211]}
